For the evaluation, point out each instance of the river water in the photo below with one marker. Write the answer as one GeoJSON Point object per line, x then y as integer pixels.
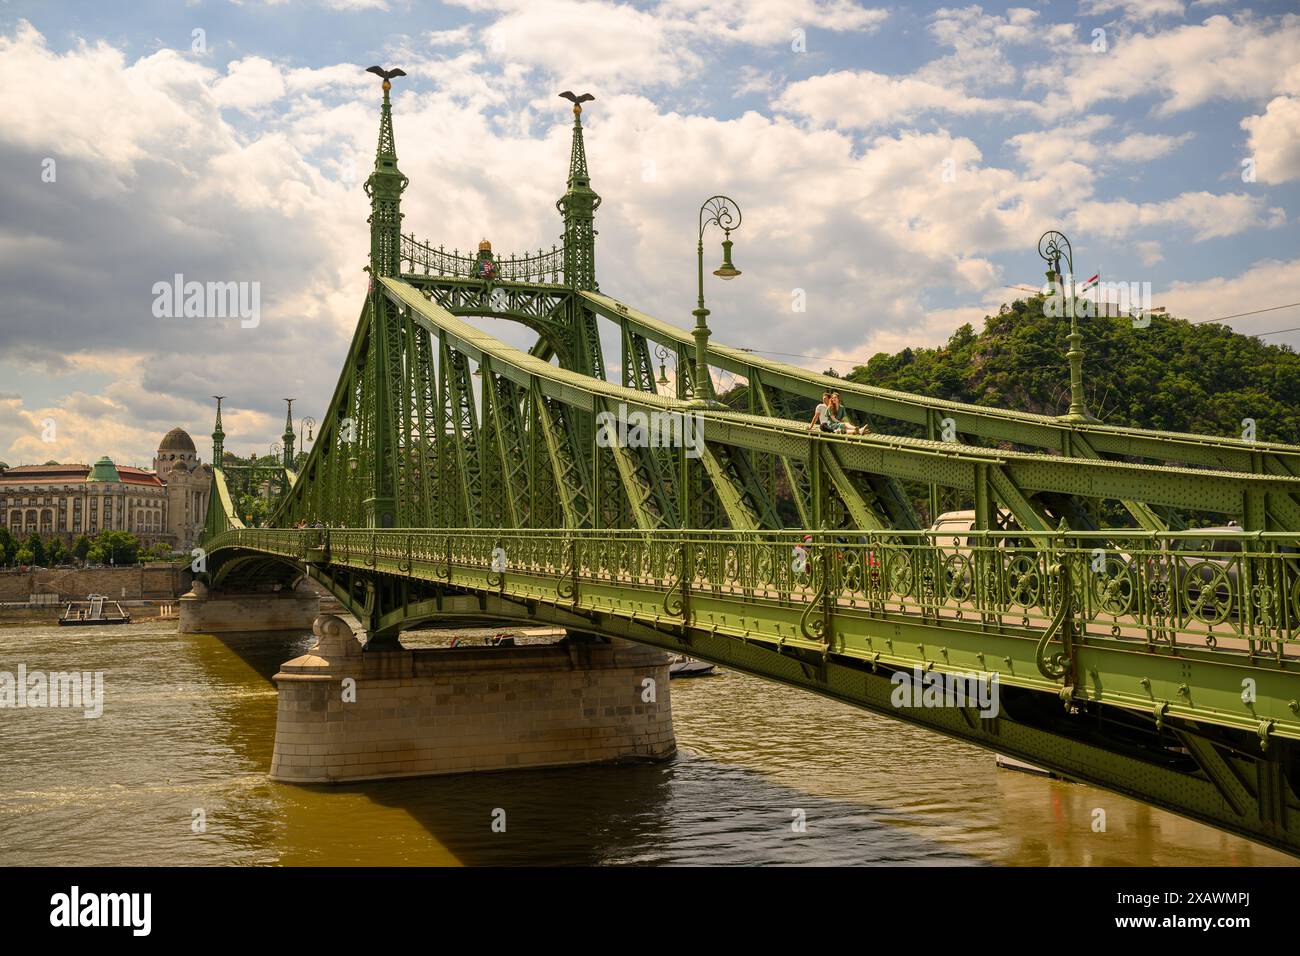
{"type": "Point", "coordinates": [189, 721]}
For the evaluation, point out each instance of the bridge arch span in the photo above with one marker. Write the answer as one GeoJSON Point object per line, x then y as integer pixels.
{"type": "Point", "coordinates": [240, 570]}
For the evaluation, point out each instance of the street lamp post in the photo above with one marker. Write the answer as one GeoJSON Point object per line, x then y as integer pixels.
{"type": "Point", "coordinates": [716, 211]}
{"type": "Point", "coordinates": [306, 423]}
{"type": "Point", "coordinates": [1053, 247]}
{"type": "Point", "coordinates": [662, 353]}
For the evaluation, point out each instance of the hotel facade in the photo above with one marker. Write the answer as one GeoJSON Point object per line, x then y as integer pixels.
{"type": "Point", "coordinates": [166, 505]}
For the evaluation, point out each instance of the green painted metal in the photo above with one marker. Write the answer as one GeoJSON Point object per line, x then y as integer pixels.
{"type": "Point", "coordinates": [1125, 654]}
{"type": "Point", "coordinates": [900, 601]}
{"type": "Point", "coordinates": [578, 206]}
{"type": "Point", "coordinates": [1081, 438]}
{"type": "Point", "coordinates": [387, 411]}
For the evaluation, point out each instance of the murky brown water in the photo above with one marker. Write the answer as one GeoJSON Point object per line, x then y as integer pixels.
{"type": "Point", "coordinates": [189, 721]}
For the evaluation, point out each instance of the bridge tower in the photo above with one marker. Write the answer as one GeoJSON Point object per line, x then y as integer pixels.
{"type": "Point", "coordinates": [218, 437]}
{"type": "Point", "coordinates": [288, 435]}
{"type": "Point", "coordinates": [578, 208]}
{"type": "Point", "coordinates": [385, 186]}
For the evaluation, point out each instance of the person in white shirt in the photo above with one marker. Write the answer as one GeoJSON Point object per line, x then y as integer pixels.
{"type": "Point", "coordinates": [822, 414]}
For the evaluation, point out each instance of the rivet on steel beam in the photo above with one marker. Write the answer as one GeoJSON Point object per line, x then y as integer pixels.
{"type": "Point", "coordinates": [1295, 706]}
{"type": "Point", "coordinates": [1184, 690]}
{"type": "Point", "coordinates": [1145, 682]}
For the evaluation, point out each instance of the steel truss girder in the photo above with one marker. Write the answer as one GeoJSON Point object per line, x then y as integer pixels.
{"type": "Point", "coordinates": [900, 458]}
{"type": "Point", "coordinates": [543, 308]}
{"type": "Point", "coordinates": [635, 478]}
{"type": "Point", "coordinates": [568, 470]}
{"type": "Point", "coordinates": [505, 437]}
{"type": "Point", "coordinates": [460, 433]}
{"type": "Point", "coordinates": [1000, 425]}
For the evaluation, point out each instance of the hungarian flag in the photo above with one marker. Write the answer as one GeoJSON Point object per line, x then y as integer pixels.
{"type": "Point", "coordinates": [1090, 283]}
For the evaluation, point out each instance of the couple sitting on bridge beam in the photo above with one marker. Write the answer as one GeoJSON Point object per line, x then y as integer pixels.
{"type": "Point", "coordinates": [828, 416]}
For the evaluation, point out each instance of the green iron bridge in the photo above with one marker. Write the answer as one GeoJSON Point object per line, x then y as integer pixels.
{"type": "Point", "coordinates": [455, 477]}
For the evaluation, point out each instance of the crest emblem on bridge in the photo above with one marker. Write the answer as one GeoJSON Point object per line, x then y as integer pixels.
{"type": "Point", "coordinates": [487, 267]}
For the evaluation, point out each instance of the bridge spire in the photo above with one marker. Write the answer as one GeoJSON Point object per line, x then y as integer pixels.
{"type": "Point", "coordinates": [218, 436]}
{"type": "Point", "coordinates": [288, 434]}
{"type": "Point", "coordinates": [384, 187]}
{"type": "Point", "coordinates": [578, 206]}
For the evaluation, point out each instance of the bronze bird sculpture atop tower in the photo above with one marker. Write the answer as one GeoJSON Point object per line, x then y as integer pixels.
{"type": "Point", "coordinates": [386, 75]}
{"type": "Point", "coordinates": [577, 100]}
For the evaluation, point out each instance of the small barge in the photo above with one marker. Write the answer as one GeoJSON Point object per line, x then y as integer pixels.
{"type": "Point", "coordinates": [93, 611]}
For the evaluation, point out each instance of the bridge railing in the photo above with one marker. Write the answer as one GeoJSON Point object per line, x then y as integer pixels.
{"type": "Point", "coordinates": [1215, 589]}
{"type": "Point", "coordinates": [426, 259]}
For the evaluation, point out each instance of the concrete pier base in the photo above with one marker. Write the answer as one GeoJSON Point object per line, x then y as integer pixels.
{"type": "Point", "coordinates": [348, 715]}
{"type": "Point", "coordinates": [202, 611]}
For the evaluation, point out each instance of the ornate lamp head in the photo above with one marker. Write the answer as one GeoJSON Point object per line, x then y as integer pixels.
{"type": "Point", "coordinates": [726, 270]}
{"type": "Point", "coordinates": [1052, 247]}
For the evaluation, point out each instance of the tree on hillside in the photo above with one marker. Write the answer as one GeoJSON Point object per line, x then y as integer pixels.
{"type": "Point", "coordinates": [8, 547]}
{"type": "Point", "coordinates": [1171, 375]}
{"type": "Point", "coordinates": [55, 552]}
{"type": "Point", "coordinates": [81, 547]}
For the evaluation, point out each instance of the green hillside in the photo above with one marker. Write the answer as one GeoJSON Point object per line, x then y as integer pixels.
{"type": "Point", "coordinates": [1172, 375]}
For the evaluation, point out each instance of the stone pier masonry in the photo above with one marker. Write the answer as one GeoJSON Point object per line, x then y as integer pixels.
{"type": "Point", "coordinates": [204, 611]}
{"type": "Point", "coordinates": [409, 713]}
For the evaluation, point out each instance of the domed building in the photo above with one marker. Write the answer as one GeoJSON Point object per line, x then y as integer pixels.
{"type": "Point", "coordinates": [167, 505]}
{"type": "Point", "coordinates": [187, 480]}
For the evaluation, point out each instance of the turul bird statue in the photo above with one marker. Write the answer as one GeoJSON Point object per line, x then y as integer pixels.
{"type": "Point", "coordinates": [577, 100]}
{"type": "Point", "coordinates": [386, 75]}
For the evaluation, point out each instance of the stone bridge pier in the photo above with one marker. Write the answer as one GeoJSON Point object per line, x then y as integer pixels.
{"type": "Point", "coordinates": [349, 714]}
{"type": "Point", "coordinates": [205, 610]}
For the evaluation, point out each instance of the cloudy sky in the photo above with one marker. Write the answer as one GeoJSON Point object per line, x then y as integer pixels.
{"type": "Point", "coordinates": [897, 162]}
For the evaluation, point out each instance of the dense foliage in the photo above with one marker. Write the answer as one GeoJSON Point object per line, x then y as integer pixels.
{"type": "Point", "coordinates": [108, 547]}
{"type": "Point", "coordinates": [1172, 375]}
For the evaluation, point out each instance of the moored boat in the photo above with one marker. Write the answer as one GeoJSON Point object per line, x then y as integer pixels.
{"type": "Point", "coordinates": [94, 610]}
{"type": "Point", "coordinates": [683, 666]}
